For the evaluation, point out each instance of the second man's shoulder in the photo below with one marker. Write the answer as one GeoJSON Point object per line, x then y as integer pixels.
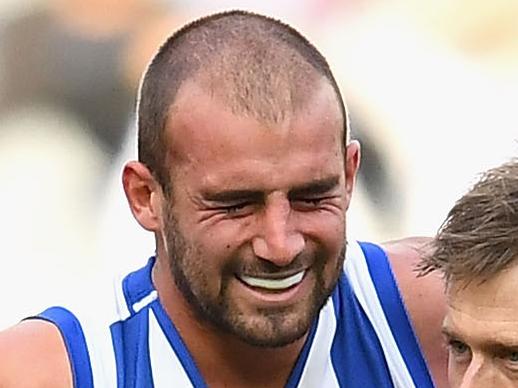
{"type": "Point", "coordinates": [33, 354]}
{"type": "Point", "coordinates": [424, 299]}
{"type": "Point", "coordinates": [404, 256]}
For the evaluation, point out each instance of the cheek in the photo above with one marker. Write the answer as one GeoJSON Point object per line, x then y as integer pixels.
{"type": "Point", "coordinates": [225, 235]}
{"type": "Point", "coordinates": [455, 373]}
{"type": "Point", "coordinates": [223, 243]}
{"type": "Point", "coordinates": [204, 272]}
{"type": "Point", "coordinates": [327, 230]}
{"type": "Point", "coordinates": [214, 253]}
{"type": "Point", "coordinates": [327, 235]}
{"type": "Point", "coordinates": [326, 214]}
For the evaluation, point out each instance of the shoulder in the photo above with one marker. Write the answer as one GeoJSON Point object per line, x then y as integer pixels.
{"type": "Point", "coordinates": [33, 355]}
{"type": "Point", "coordinates": [424, 299]}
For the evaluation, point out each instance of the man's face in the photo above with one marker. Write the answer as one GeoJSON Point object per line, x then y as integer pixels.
{"type": "Point", "coordinates": [481, 328]}
{"type": "Point", "coordinates": [255, 229]}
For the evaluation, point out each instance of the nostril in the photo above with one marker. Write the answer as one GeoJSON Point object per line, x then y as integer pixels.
{"type": "Point", "coordinates": [298, 243]}
{"type": "Point", "coordinates": [259, 247]}
{"type": "Point", "coordinates": [279, 252]}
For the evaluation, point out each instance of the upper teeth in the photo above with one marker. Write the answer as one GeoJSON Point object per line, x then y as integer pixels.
{"type": "Point", "coordinates": [273, 284]}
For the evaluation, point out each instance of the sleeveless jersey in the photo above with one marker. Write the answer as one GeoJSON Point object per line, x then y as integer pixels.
{"type": "Point", "coordinates": [361, 338]}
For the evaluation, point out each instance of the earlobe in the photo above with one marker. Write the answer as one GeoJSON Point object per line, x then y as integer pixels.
{"type": "Point", "coordinates": [142, 193]}
{"type": "Point", "coordinates": [352, 163]}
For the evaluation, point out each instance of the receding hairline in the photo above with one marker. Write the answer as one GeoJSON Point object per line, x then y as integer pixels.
{"type": "Point", "coordinates": [215, 78]}
{"type": "Point", "coordinates": [323, 90]}
{"type": "Point", "coordinates": [204, 83]}
{"type": "Point", "coordinates": [272, 51]}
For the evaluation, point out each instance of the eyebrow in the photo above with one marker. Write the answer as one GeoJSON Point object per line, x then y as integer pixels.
{"type": "Point", "coordinates": [316, 187]}
{"type": "Point", "coordinates": [495, 345]}
{"type": "Point", "coordinates": [498, 347]}
{"type": "Point", "coordinates": [319, 186]}
{"type": "Point", "coordinates": [450, 333]}
{"type": "Point", "coordinates": [233, 195]}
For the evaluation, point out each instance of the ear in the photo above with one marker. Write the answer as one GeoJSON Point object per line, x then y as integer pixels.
{"type": "Point", "coordinates": [144, 195]}
{"type": "Point", "coordinates": [352, 163]}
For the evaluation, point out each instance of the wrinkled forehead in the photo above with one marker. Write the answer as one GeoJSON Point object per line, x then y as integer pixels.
{"type": "Point", "coordinates": [270, 99]}
{"type": "Point", "coordinates": [201, 114]}
{"type": "Point", "coordinates": [480, 297]}
{"type": "Point", "coordinates": [254, 88]}
{"type": "Point", "coordinates": [482, 316]}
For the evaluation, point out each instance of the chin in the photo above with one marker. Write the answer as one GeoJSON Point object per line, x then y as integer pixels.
{"type": "Point", "coordinates": [272, 329]}
{"type": "Point", "coordinates": [273, 334]}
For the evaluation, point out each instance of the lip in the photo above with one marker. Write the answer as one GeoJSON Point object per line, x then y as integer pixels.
{"type": "Point", "coordinates": [279, 298]}
{"type": "Point", "coordinates": [274, 276]}
{"type": "Point", "coordinates": [273, 285]}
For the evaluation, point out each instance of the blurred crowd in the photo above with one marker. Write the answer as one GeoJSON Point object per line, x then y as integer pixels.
{"type": "Point", "coordinates": [431, 87]}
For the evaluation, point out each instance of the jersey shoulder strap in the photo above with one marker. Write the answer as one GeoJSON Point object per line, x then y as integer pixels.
{"type": "Point", "coordinates": [369, 272]}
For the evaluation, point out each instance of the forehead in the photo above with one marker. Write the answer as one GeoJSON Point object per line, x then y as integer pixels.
{"type": "Point", "coordinates": [485, 311]}
{"type": "Point", "coordinates": [202, 130]}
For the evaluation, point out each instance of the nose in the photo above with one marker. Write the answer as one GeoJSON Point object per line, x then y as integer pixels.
{"type": "Point", "coordinates": [474, 375]}
{"type": "Point", "coordinates": [277, 240]}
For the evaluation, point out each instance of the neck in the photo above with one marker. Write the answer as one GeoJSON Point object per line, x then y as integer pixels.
{"type": "Point", "coordinates": [222, 358]}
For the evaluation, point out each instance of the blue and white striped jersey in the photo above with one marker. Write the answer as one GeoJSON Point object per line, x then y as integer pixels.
{"type": "Point", "coordinates": [361, 338]}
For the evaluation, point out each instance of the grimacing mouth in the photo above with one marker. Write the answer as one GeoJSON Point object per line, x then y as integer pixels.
{"type": "Point", "coordinates": [273, 275]}
{"type": "Point", "coordinates": [278, 282]}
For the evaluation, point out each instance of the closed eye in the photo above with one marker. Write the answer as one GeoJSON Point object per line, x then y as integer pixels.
{"type": "Point", "coordinates": [308, 204]}
{"type": "Point", "coordinates": [235, 209]}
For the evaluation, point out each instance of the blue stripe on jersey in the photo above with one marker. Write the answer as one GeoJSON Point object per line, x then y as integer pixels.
{"type": "Point", "coordinates": [118, 348]}
{"type": "Point", "coordinates": [138, 285]}
{"type": "Point", "coordinates": [356, 353]}
{"type": "Point", "coordinates": [296, 373]}
{"type": "Point", "coordinates": [130, 342]}
{"type": "Point", "coordinates": [395, 312]}
{"type": "Point", "coordinates": [179, 347]}
{"type": "Point", "coordinates": [75, 343]}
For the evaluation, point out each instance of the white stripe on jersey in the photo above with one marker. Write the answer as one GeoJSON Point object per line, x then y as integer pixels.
{"type": "Point", "coordinates": [102, 355]}
{"type": "Point", "coordinates": [166, 369]}
{"type": "Point", "coordinates": [137, 306]}
{"type": "Point", "coordinates": [319, 371]}
{"type": "Point", "coordinates": [361, 282]}
{"type": "Point", "coordinates": [121, 306]}
{"type": "Point", "coordinates": [95, 322]}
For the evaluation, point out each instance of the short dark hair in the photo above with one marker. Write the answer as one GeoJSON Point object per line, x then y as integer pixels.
{"type": "Point", "coordinates": [479, 237]}
{"type": "Point", "coordinates": [258, 65]}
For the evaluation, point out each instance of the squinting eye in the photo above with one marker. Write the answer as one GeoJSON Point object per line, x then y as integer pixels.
{"type": "Point", "coordinates": [313, 201]}
{"type": "Point", "coordinates": [510, 359]}
{"type": "Point", "coordinates": [308, 203]}
{"type": "Point", "coordinates": [234, 208]}
{"type": "Point", "coordinates": [513, 357]}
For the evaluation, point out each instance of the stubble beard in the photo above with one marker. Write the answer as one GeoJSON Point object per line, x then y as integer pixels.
{"type": "Point", "coordinates": [270, 329]}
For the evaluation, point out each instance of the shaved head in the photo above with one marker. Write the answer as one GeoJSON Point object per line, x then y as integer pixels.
{"type": "Point", "coordinates": [256, 65]}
